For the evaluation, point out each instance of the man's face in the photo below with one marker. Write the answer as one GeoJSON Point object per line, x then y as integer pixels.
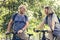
{"type": "Point", "coordinates": [22, 10]}
{"type": "Point", "coordinates": [46, 11]}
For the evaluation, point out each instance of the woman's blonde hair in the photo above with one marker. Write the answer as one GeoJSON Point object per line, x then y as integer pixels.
{"type": "Point", "coordinates": [21, 7]}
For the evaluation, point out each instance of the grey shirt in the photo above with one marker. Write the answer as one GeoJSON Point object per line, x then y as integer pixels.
{"type": "Point", "coordinates": [51, 19]}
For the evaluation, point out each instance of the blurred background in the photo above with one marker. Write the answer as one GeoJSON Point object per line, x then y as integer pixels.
{"type": "Point", "coordinates": [35, 12]}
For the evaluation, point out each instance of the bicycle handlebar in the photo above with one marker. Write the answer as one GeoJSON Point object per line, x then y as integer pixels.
{"type": "Point", "coordinates": [9, 33]}
{"type": "Point", "coordinates": [40, 30]}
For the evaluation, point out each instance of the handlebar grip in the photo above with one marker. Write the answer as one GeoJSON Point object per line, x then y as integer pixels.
{"type": "Point", "coordinates": [7, 33]}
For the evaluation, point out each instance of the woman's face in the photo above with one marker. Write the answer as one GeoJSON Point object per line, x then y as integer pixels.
{"type": "Point", "coordinates": [46, 11]}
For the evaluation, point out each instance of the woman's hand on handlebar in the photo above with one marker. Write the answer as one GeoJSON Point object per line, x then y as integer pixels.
{"type": "Point", "coordinates": [49, 31]}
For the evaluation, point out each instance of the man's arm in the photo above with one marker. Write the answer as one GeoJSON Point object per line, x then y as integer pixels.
{"type": "Point", "coordinates": [27, 23]}
{"type": "Point", "coordinates": [9, 25]}
{"type": "Point", "coordinates": [20, 31]}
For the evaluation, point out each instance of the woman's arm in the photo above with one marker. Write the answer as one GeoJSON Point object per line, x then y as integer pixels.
{"type": "Point", "coordinates": [41, 25]}
{"type": "Point", "coordinates": [54, 20]}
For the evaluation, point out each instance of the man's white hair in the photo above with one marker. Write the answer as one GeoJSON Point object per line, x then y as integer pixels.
{"type": "Point", "coordinates": [21, 7]}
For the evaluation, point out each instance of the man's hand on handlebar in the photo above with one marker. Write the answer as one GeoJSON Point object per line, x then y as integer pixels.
{"type": "Point", "coordinates": [20, 31]}
{"type": "Point", "coordinates": [7, 32]}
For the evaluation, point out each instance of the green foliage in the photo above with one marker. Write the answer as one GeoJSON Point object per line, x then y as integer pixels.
{"type": "Point", "coordinates": [34, 11]}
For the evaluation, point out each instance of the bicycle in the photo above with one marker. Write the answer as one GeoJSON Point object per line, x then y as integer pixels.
{"type": "Point", "coordinates": [43, 36]}
{"type": "Point", "coordinates": [14, 35]}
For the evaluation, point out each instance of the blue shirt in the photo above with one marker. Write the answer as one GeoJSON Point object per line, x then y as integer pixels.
{"type": "Point", "coordinates": [19, 22]}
